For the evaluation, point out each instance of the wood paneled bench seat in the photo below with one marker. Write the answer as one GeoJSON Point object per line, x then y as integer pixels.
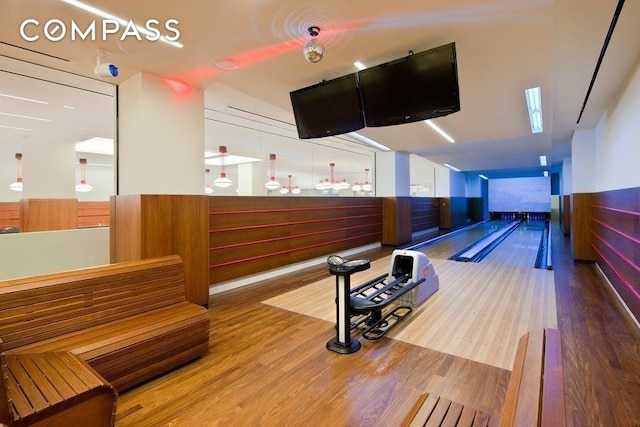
{"type": "Point", "coordinates": [128, 321]}
{"type": "Point", "coordinates": [535, 394]}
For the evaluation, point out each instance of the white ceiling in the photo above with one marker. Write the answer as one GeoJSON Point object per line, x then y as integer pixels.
{"type": "Point", "coordinates": [503, 47]}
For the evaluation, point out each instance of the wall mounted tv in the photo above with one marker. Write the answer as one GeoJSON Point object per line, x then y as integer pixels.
{"type": "Point", "coordinates": [420, 86]}
{"type": "Point", "coordinates": [328, 108]}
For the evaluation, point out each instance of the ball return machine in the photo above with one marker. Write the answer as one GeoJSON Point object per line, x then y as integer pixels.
{"type": "Point", "coordinates": [368, 307]}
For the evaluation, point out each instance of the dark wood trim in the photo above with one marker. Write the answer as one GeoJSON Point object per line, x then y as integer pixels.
{"type": "Point", "coordinates": [425, 213]}
{"type": "Point", "coordinates": [48, 214]}
{"type": "Point", "coordinates": [580, 225]}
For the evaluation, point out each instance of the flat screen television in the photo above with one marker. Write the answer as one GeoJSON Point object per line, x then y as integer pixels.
{"type": "Point", "coordinates": [328, 108]}
{"type": "Point", "coordinates": [420, 86]}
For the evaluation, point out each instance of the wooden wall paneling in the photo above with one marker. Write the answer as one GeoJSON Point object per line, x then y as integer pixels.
{"type": "Point", "coordinates": [445, 213]}
{"type": "Point", "coordinates": [396, 220]}
{"type": "Point", "coordinates": [48, 214]}
{"type": "Point", "coordinates": [425, 213]}
{"type": "Point", "coordinates": [580, 227]}
{"type": "Point", "coordinates": [190, 215]}
{"type": "Point", "coordinates": [147, 226]}
{"type": "Point", "coordinates": [9, 214]}
{"type": "Point", "coordinates": [126, 228]}
{"type": "Point", "coordinates": [615, 234]}
{"type": "Point", "coordinates": [459, 213]}
{"type": "Point", "coordinates": [93, 214]}
{"type": "Point", "coordinates": [248, 235]}
{"type": "Point", "coordinates": [565, 214]}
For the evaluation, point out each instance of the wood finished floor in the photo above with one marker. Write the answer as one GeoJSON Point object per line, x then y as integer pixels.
{"type": "Point", "coordinates": [268, 366]}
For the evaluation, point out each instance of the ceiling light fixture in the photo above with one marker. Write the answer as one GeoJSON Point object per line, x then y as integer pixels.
{"type": "Point", "coordinates": [359, 65]}
{"type": "Point", "coordinates": [20, 116]}
{"type": "Point", "coordinates": [289, 188]}
{"type": "Point", "coordinates": [331, 183]}
{"type": "Point", "coordinates": [23, 99]}
{"type": "Point", "coordinates": [207, 180]}
{"type": "Point", "coordinates": [543, 160]}
{"type": "Point", "coordinates": [103, 14]}
{"type": "Point", "coordinates": [313, 50]}
{"type": "Point", "coordinates": [364, 186]}
{"type": "Point", "coordinates": [96, 145]}
{"type": "Point", "coordinates": [534, 106]}
{"type": "Point", "coordinates": [272, 184]}
{"type": "Point", "coordinates": [453, 168]}
{"type": "Point", "coordinates": [369, 141]}
{"type": "Point", "coordinates": [483, 177]}
{"type": "Point", "coordinates": [15, 128]}
{"type": "Point", "coordinates": [440, 131]}
{"type": "Point", "coordinates": [222, 181]}
{"type": "Point", "coordinates": [545, 173]}
{"type": "Point", "coordinates": [83, 187]}
{"type": "Point", "coordinates": [17, 186]}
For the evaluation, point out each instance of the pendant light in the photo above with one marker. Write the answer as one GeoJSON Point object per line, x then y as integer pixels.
{"type": "Point", "coordinates": [286, 189]}
{"type": "Point", "coordinates": [207, 180]}
{"type": "Point", "coordinates": [272, 184]}
{"type": "Point", "coordinates": [222, 181]}
{"type": "Point", "coordinates": [83, 187]}
{"type": "Point", "coordinates": [17, 186]}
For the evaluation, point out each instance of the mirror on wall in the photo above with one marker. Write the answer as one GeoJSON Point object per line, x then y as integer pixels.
{"type": "Point", "coordinates": [251, 140]}
{"type": "Point", "coordinates": [53, 119]}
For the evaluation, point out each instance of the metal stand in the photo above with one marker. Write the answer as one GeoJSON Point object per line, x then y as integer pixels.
{"type": "Point", "coordinates": [343, 343]}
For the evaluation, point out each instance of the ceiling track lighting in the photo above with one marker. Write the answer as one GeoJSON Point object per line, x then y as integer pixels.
{"type": "Point", "coordinates": [313, 50]}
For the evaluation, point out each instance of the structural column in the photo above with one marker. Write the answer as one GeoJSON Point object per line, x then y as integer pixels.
{"type": "Point", "coordinates": [392, 184]}
{"type": "Point", "coordinates": [161, 208]}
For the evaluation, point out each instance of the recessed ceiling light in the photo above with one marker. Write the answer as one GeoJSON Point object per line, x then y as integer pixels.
{"type": "Point", "coordinates": [440, 131]}
{"type": "Point", "coordinates": [15, 128]}
{"type": "Point", "coordinates": [96, 145]}
{"type": "Point", "coordinates": [534, 106]}
{"type": "Point", "coordinates": [483, 177]}
{"type": "Point", "coordinates": [20, 116]}
{"type": "Point", "coordinates": [103, 14]}
{"type": "Point", "coordinates": [359, 65]}
{"type": "Point", "coordinates": [69, 107]}
{"type": "Point", "coordinates": [453, 168]}
{"type": "Point", "coordinates": [227, 64]}
{"type": "Point", "coordinates": [543, 160]}
{"type": "Point", "coordinates": [229, 159]}
{"type": "Point", "coordinates": [369, 141]}
{"type": "Point", "coordinates": [545, 173]}
{"type": "Point", "coordinates": [23, 99]}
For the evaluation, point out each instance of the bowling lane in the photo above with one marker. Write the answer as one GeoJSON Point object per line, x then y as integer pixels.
{"type": "Point", "coordinates": [446, 248]}
{"type": "Point", "coordinates": [520, 248]}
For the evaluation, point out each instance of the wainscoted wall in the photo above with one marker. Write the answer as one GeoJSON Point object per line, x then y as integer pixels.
{"type": "Point", "coordinates": [248, 235]}
{"type": "Point", "coordinates": [615, 241]}
{"type": "Point", "coordinates": [89, 214]}
{"type": "Point", "coordinates": [425, 213]}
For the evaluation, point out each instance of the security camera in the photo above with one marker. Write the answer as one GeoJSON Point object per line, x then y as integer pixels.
{"type": "Point", "coordinates": [106, 70]}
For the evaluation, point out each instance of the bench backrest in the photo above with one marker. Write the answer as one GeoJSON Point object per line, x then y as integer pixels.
{"type": "Point", "coordinates": [42, 307]}
{"type": "Point", "coordinates": [535, 395]}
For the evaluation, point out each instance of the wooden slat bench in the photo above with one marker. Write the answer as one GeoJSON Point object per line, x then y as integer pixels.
{"type": "Point", "coordinates": [54, 389]}
{"type": "Point", "coordinates": [535, 394]}
{"type": "Point", "coordinates": [128, 321]}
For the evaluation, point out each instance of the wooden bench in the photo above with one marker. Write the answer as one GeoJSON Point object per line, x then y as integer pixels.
{"type": "Point", "coordinates": [128, 321]}
{"type": "Point", "coordinates": [535, 394]}
{"type": "Point", "coordinates": [55, 389]}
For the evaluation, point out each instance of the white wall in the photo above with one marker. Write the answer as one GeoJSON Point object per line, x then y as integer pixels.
{"type": "Point", "coordinates": [30, 254]}
{"type": "Point", "coordinates": [392, 174]}
{"type": "Point", "coordinates": [583, 160]}
{"type": "Point", "coordinates": [457, 184]}
{"type": "Point", "coordinates": [565, 184]}
{"type": "Point", "coordinates": [617, 146]}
